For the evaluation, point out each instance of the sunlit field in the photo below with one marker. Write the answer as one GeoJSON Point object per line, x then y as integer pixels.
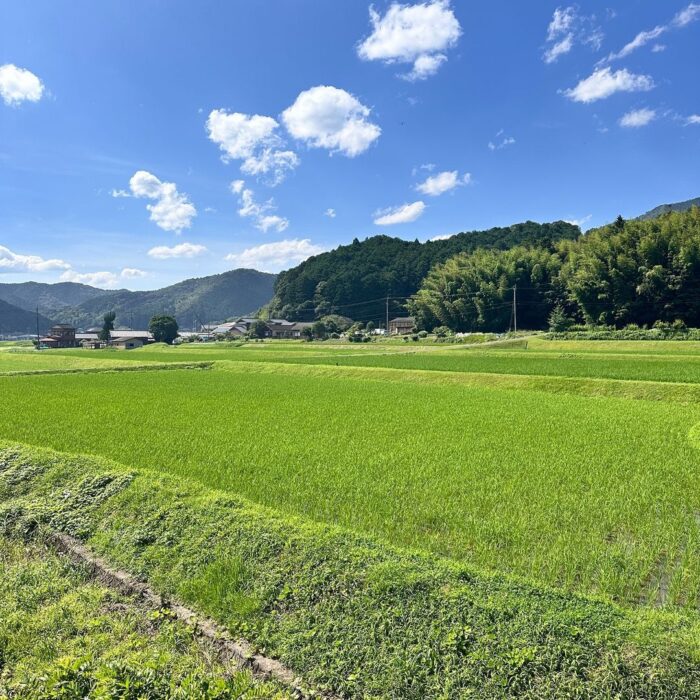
{"type": "Point", "coordinates": [596, 495]}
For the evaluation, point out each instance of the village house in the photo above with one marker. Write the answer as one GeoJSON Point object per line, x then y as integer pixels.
{"type": "Point", "coordinates": [402, 325]}
{"type": "Point", "coordinates": [62, 335]}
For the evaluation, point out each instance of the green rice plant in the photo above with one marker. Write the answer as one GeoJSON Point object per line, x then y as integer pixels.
{"type": "Point", "coordinates": [592, 494]}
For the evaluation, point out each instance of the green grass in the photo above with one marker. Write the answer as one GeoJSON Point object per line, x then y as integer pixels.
{"type": "Point", "coordinates": [669, 361]}
{"type": "Point", "coordinates": [63, 635]}
{"type": "Point", "coordinates": [27, 359]}
{"type": "Point", "coordinates": [345, 612]}
{"type": "Point", "coordinates": [597, 495]}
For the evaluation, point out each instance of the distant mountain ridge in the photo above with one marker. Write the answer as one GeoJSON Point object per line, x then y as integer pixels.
{"type": "Point", "coordinates": [212, 298]}
{"type": "Point", "coordinates": [20, 321]}
{"type": "Point", "coordinates": [665, 208]}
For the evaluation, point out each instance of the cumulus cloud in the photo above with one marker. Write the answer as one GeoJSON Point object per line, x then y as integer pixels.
{"type": "Point", "coordinates": [172, 211]}
{"type": "Point", "coordinates": [604, 82]}
{"type": "Point", "coordinates": [252, 139]}
{"type": "Point", "coordinates": [130, 273]}
{"type": "Point", "coordinates": [330, 213]}
{"type": "Point", "coordinates": [638, 117]}
{"type": "Point", "coordinates": [567, 28]}
{"type": "Point", "coordinates": [443, 182]}
{"type": "Point", "coordinates": [261, 212]}
{"type": "Point", "coordinates": [442, 237]}
{"type": "Point", "coordinates": [399, 215]}
{"type": "Point", "coordinates": [18, 85]}
{"type": "Point", "coordinates": [182, 250]}
{"type": "Point", "coordinates": [273, 257]}
{"type": "Point", "coordinates": [686, 16]}
{"type": "Point", "coordinates": [104, 279]}
{"type": "Point", "coordinates": [16, 262]}
{"type": "Point", "coordinates": [418, 34]}
{"type": "Point", "coordinates": [692, 119]}
{"type": "Point", "coordinates": [328, 117]}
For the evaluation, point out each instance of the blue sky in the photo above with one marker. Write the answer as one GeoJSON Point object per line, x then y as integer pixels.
{"type": "Point", "coordinates": [145, 142]}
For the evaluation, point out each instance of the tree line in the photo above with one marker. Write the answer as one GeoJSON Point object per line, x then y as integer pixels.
{"type": "Point", "coordinates": [629, 272]}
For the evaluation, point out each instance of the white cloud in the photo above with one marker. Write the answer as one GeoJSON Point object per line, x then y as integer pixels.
{"type": "Point", "coordinates": [182, 250]}
{"type": "Point", "coordinates": [442, 237]}
{"type": "Point", "coordinates": [16, 262]}
{"type": "Point", "coordinates": [172, 211]}
{"type": "Point", "coordinates": [417, 34]}
{"type": "Point", "coordinates": [18, 85]}
{"type": "Point", "coordinates": [443, 182]}
{"type": "Point", "coordinates": [559, 49]}
{"type": "Point", "coordinates": [130, 273]}
{"type": "Point", "coordinates": [259, 212]}
{"type": "Point", "coordinates": [399, 215]}
{"type": "Point", "coordinates": [252, 139]}
{"type": "Point", "coordinates": [328, 117]}
{"type": "Point", "coordinates": [567, 28]}
{"type": "Point", "coordinates": [273, 257]}
{"type": "Point", "coordinates": [580, 222]}
{"type": "Point", "coordinates": [502, 143]}
{"type": "Point", "coordinates": [658, 48]}
{"type": "Point", "coordinates": [692, 119]}
{"type": "Point", "coordinates": [638, 117]}
{"type": "Point", "coordinates": [562, 21]}
{"type": "Point", "coordinates": [119, 193]}
{"type": "Point", "coordinates": [330, 213]}
{"type": "Point", "coordinates": [686, 16]}
{"type": "Point", "coordinates": [603, 83]}
{"type": "Point", "coordinates": [104, 279]}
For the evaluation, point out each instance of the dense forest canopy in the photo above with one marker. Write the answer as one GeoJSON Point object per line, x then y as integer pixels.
{"type": "Point", "coordinates": [630, 272]}
{"type": "Point", "coordinates": [354, 279]}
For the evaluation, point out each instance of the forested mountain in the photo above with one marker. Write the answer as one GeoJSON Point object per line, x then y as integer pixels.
{"type": "Point", "coordinates": [213, 298]}
{"type": "Point", "coordinates": [52, 299]}
{"type": "Point", "coordinates": [665, 208]}
{"type": "Point", "coordinates": [354, 279]}
{"type": "Point", "coordinates": [16, 320]}
{"type": "Point", "coordinates": [629, 272]}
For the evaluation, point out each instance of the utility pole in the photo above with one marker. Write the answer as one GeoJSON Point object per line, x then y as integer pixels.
{"type": "Point", "coordinates": [515, 307]}
{"type": "Point", "coordinates": [387, 314]}
{"type": "Point", "coordinates": [38, 342]}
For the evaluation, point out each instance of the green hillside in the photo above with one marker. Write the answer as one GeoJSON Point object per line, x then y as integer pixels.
{"type": "Point", "coordinates": [16, 320]}
{"type": "Point", "coordinates": [212, 298]}
{"type": "Point", "coordinates": [665, 208]}
{"type": "Point", "coordinates": [354, 279]}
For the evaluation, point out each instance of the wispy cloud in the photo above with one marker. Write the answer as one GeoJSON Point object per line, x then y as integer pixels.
{"type": "Point", "coordinates": [567, 28]}
{"type": "Point", "coordinates": [182, 250]}
{"type": "Point", "coordinates": [273, 257]}
{"type": "Point", "coordinates": [261, 212]}
{"type": "Point", "coordinates": [686, 16]}
{"type": "Point", "coordinates": [399, 215]}
{"type": "Point", "coordinates": [637, 118]}
{"type": "Point", "coordinates": [443, 182]}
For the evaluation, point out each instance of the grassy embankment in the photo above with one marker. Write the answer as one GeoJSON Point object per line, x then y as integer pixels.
{"type": "Point", "coordinates": [63, 635]}
{"type": "Point", "coordinates": [347, 613]}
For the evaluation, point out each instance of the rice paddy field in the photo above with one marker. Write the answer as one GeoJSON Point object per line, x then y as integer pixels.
{"type": "Point", "coordinates": [583, 491]}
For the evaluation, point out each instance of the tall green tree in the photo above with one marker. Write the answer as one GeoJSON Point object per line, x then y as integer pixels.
{"type": "Point", "coordinates": [638, 271]}
{"type": "Point", "coordinates": [107, 326]}
{"type": "Point", "coordinates": [163, 328]}
{"type": "Point", "coordinates": [474, 292]}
